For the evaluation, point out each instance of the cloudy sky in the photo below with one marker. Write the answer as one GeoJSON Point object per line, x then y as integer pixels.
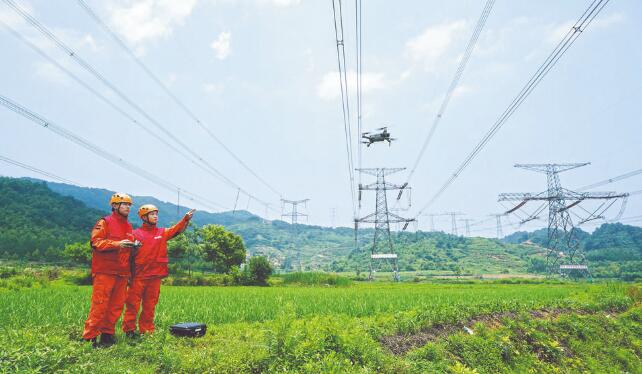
{"type": "Point", "coordinates": [262, 76]}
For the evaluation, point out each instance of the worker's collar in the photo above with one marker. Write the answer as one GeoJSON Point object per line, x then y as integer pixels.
{"type": "Point", "coordinates": [118, 216]}
{"type": "Point", "coordinates": [148, 225]}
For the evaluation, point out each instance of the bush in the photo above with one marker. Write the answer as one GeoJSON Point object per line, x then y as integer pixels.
{"type": "Point", "coordinates": [78, 252]}
{"type": "Point", "coordinates": [80, 279]}
{"type": "Point", "coordinates": [8, 272]}
{"type": "Point", "coordinates": [259, 270]}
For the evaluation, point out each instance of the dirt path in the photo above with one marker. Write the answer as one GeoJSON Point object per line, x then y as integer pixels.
{"type": "Point", "coordinates": [400, 344]}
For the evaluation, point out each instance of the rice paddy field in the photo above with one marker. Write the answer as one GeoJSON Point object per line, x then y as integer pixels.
{"type": "Point", "coordinates": [481, 327]}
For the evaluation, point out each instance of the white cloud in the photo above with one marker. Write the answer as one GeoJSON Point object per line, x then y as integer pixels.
{"type": "Point", "coordinates": [140, 21]}
{"type": "Point", "coordinates": [171, 79]}
{"type": "Point", "coordinates": [329, 87]}
{"type": "Point", "coordinates": [281, 3]}
{"type": "Point", "coordinates": [222, 45]}
{"type": "Point", "coordinates": [462, 90]}
{"type": "Point", "coordinates": [557, 32]}
{"type": "Point", "coordinates": [50, 73]}
{"type": "Point", "coordinates": [213, 88]}
{"type": "Point", "coordinates": [11, 18]}
{"type": "Point", "coordinates": [609, 20]}
{"type": "Point", "coordinates": [434, 42]}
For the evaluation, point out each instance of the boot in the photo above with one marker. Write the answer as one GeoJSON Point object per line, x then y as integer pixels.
{"type": "Point", "coordinates": [107, 340]}
{"type": "Point", "coordinates": [132, 334]}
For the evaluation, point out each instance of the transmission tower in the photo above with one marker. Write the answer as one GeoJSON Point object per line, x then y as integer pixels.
{"type": "Point", "coordinates": [564, 256]}
{"type": "Point", "coordinates": [294, 215]}
{"type": "Point", "coordinates": [453, 220]}
{"type": "Point", "coordinates": [382, 249]}
{"type": "Point", "coordinates": [498, 219]}
{"type": "Point", "coordinates": [466, 222]}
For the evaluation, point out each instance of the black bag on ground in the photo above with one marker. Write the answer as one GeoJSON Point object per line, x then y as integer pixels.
{"type": "Point", "coordinates": [189, 329]}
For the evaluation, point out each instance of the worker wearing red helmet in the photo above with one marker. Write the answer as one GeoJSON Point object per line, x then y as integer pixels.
{"type": "Point", "coordinates": [150, 266]}
{"type": "Point", "coordinates": [111, 241]}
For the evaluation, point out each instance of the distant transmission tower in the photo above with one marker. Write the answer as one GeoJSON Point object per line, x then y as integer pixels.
{"type": "Point", "coordinates": [564, 255]}
{"type": "Point", "coordinates": [498, 219]}
{"type": "Point", "coordinates": [466, 222]}
{"type": "Point", "coordinates": [382, 249]}
{"type": "Point", "coordinates": [453, 220]}
{"type": "Point", "coordinates": [294, 215]}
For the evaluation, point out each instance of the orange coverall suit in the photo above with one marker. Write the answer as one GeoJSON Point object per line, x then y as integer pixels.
{"type": "Point", "coordinates": [150, 266]}
{"type": "Point", "coordinates": [110, 272]}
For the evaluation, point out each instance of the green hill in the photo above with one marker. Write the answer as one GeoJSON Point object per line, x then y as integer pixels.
{"type": "Point", "coordinates": [34, 218]}
{"type": "Point", "coordinates": [43, 216]}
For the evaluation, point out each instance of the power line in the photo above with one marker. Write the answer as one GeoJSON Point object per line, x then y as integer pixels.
{"type": "Point", "coordinates": [96, 93]}
{"type": "Point", "coordinates": [87, 67]}
{"type": "Point", "coordinates": [39, 120]}
{"type": "Point", "coordinates": [470, 46]}
{"type": "Point", "coordinates": [567, 41]}
{"type": "Point", "coordinates": [345, 102]}
{"type": "Point", "coordinates": [359, 53]}
{"type": "Point", "coordinates": [612, 180]}
{"type": "Point", "coordinates": [36, 170]}
{"type": "Point", "coordinates": [174, 98]}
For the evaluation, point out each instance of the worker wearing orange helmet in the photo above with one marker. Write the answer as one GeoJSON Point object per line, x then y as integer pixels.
{"type": "Point", "coordinates": [150, 266]}
{"type": "Point", "coordinates": [111, 241]}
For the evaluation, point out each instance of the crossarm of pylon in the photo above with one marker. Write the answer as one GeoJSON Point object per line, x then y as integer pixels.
{"type": "Point", "coordinates": [603, 195]}
{"type": "Point", "coordinates": [395, 218]}
{"type": "Point", "coordinates": [523, 196]}
{"type": "Point", "coordinates": [544, 168]}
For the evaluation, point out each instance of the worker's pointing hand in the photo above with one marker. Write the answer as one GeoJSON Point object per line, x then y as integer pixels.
{"type": "Point", "coordinates": [190, 214]}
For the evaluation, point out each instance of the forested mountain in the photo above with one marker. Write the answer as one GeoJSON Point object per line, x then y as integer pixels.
{"type": "Point", "coordinates": [34, 218]}
{"type": "Point", "coordinates": [38, 218]}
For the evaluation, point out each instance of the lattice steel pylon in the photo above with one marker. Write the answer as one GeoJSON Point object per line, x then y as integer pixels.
{"type": "Point", "coordinates": [382, 248]}
{"type": "Point", "coordinates": [564, 255]}
{"type": "Point", "coordinates": [294, 215]}
{"type": "Point", "coordinates": [498, 221]}
{"type": "Point", "coordinates": [466, 222]}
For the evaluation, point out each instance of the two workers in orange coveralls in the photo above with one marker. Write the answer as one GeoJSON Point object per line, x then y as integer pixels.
{"type": "Point", "coordinates": [122, 256]}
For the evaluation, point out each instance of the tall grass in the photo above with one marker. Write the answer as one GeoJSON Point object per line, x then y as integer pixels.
{"type": "Point", "coordinates": [315, 279]}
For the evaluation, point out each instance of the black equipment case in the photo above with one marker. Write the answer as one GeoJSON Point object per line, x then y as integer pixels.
{"type": "Point", "coordinates": [189, 329]}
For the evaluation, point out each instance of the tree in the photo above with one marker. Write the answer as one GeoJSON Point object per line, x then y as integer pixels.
{"type": "Point", "coordinates": [259, 269]}
{"type": "Point", "coordinates": [78, 252]}
{"type": "Point", "coordinates": [221, 247]}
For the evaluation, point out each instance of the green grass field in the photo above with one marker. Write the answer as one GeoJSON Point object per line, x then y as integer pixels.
{"type": "Point", "coordinates": [329, 329]}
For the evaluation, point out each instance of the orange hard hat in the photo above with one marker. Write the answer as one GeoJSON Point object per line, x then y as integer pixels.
{"type": "Point", "coordinates": [147, 208]}
{"type": "Point", "coordinates": [120, 197]}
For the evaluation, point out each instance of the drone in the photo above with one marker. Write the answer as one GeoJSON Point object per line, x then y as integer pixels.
{"type": "Point", "coordinates": [375, 137]}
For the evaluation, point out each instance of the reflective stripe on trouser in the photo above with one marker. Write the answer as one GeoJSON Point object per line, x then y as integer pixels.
{"type": "Point", "coordinates": [143, 291]}
{"type": "Point", "coordinates": [107, 300]}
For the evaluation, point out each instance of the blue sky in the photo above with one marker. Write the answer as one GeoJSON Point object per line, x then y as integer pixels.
{"type": "Point", "coordinates": [262, 75]}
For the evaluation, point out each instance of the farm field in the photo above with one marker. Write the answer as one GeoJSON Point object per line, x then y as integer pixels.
{"type": "Point", "coordinates": [487, 327]}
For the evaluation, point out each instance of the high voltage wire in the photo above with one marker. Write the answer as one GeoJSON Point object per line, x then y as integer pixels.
{"type": "Point", "coordinates": [612, 180]}
{"type": "Point", "coordinates": [582, 23]}
{"type": "Point", "coordinates": [102, 97]}
{"type": "Point", "coordinates": [95, 92]}
{"type": "Point", "coordinates": [169, 93]}
{"type": "Point", "coordinates": [61, 131]}
{"type": "Point", "coordinates": [36, 170]}
{"type": "Point", "coordinates": [454, 83]}
{"type": "Point", "coordinates": [358, 22]}
{"type": "Point", "coordinates": [86, 66]}
{"type": "Point", "coordinates": [345, 103]}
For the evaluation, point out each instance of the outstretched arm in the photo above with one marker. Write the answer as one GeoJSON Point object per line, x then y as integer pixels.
{"type": "Point", "coordinates": [178, 228]}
